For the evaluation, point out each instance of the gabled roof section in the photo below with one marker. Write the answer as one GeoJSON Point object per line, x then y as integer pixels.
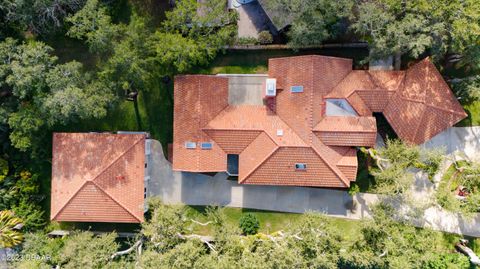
{"type": "Point", "coordinates": [98, 177]}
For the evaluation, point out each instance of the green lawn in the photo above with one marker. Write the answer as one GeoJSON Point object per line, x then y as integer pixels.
{"type": "Point", "coordinates": [473, 111]}
{"type": "Point", "coordinates": [269, 221]}
{"type": "Point", "coordinates": [275, 221]}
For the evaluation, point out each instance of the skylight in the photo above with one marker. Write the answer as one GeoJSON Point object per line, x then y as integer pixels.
{"type": "Point", "coordinates": [296, 89]}
{"type": "Point", "coordinates": [190, 145]}
{"type": "Point", "coordinates": [300, 166]}
{"type": "Point", "coordinates": [206, 145]}
{"type": "Point", "coordinates": [339, 107]}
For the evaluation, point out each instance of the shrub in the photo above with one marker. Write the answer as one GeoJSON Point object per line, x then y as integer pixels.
{"type": "Point", "coordinates": [246, 41]}
{"type": "Point", "coordinates": [249, 224]}
{"type": "Point", "coordinates": [264, 37]}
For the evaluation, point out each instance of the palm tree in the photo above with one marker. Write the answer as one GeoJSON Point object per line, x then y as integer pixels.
{"type": "Point", "coordinates": [10, 225]}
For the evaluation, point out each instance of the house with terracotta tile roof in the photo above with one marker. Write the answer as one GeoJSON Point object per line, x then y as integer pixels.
{"type": "Point", "coordinates": [301, 124]}
{"type": "Point", "coordinates": [99, 177]}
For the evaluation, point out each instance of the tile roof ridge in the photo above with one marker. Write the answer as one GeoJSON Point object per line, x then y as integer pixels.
{"type": "Point", "coordinates": [231, 129]}
{"type": "Point", "coordinates": [198, 109]}
{"type": "Point", "coordinates": [418, 124]}
{"type": "Point", "coordinates": [334, 168]}
{"type": "Point", "coordinates": [312, 56]}
{"type": "Point", "coordinates": [99, 173]}
{"type": "Point", "coordinates": [310, 106]}
{"type": "Point", "coordinates": [259, 164]}
{"type": "Point", "coordinates": [115, 200]}
{"type": "Point", "coordinates": [70, 199]}
{"type": "Point", "coordinates": [118, 158]}
{"type": "Point", "coordinates": [326, 96]}
{"type": "Point", "coordinates": [447, 110]}
{"type": "Point", "coordinates": [375, 81]}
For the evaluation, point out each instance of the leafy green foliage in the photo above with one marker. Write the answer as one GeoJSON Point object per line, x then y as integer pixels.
{"type": "Point", "coordinates": [468, 89]}
{"type": "Point", "coordinates": [20, 193]}
{"type": "Point", "coordinates": [466, 175]}
{"type": "Point", "coordinates": [165, 224]}
{"type": "Point", "coordinates": [394, 162]}
{"type": "Point", "coordinates": [415, 27]}
{"type": "Point", "coordinates": [80, 250]}
{"type": "Point", "coordinates": [38, 16]}
{"type": "Point", "coordinates": [41, 93]}
{"type": "Point", "coordinates": [387, 243]}
{"type": "Point", "coordinates": [189, 37]}
{"type": "Point", "coordinates": [315, 21]}
{"type": "Point", "coordinates": [93, 24]}
{"type": "Point", "coordinates": [313, 241]}
{"type": "Point", "coordinates": [10, 235]}
{"type": "Point", "coordinates": [264, 37]}
{"type": "Point", "coordinates": [448, 261]}
{"type": "Point", "coordinates": [249, 224]}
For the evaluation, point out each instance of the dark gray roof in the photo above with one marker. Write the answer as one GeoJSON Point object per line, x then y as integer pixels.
{"type": "Point", "coordinates": [278, 11]}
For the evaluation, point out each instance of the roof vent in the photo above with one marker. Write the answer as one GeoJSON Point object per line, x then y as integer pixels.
{"type": "Point", "coordinates": [271, 87]}
{"type": "Point", "coordinates": [280, 132]}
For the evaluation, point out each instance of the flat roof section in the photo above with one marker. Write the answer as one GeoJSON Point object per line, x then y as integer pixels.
{"type": "Point", "coordinates": [246, 89]}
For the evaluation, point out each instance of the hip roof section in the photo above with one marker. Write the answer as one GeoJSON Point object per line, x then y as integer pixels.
{"type": "Point", "coordinates": [270, 142]}
{"type": "Point", "coordinates": [98, 177]}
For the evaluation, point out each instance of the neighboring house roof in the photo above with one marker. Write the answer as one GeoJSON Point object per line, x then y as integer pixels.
{"type": "Point", "coordinates": [270, 142]}
{"type": "Point", "coordinates": [98, 177]}
{"type": "Point", "coordinates": [279, 14]}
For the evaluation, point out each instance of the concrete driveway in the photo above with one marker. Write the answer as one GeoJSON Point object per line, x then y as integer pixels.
{"type": "Point", "coordinates": [198, 189]}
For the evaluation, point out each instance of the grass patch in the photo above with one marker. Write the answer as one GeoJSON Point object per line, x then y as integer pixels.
{"type": "Point", "coordinates": [269, 221]}
{"type": "Point", "coordinates": [153, 113]}
{"type": "Point", "coordinates": [473, 118]}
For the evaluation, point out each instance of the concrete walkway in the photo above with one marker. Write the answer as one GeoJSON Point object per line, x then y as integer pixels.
{"type": "Point", "coordinates": [198, 189]}
{"type": "Point", "coordinates": [458, 140]}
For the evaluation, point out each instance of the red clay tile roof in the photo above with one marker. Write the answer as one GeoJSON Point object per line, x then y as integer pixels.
{"type": "Point", "coordinates": [424, 106]}
{"type": "Point", "coordinates": [347, 131]}
{"type": "Point", "coordinates": [198, 99]}
{"type": "Point", "coordinates": [270, 143]}
{"type": "Point", "coordinates": [98, 177]}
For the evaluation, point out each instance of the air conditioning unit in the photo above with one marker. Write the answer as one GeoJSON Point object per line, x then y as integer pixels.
{"type": "Point", "coordinates": [271, 87]}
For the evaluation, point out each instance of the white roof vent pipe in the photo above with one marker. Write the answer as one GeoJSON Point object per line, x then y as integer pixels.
{"type": "Point", "coordinates": [271, 87]}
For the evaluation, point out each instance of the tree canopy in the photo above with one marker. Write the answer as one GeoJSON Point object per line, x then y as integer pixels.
{"type": "Point", "coordinates": [414, 27]}
{"type": "Point", "coordinates": [38, 92]}
{"type": "Point", "coordinates": [312, 242]}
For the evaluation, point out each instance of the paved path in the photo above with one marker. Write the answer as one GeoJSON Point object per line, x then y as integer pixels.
{"type": "Point", "coordinates": [463, 140]}
{"type": "Point", "coordinates": [198, 189]}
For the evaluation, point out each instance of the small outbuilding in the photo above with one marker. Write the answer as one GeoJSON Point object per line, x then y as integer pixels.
{"type": "Point", "coordinates": [99, 177]}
